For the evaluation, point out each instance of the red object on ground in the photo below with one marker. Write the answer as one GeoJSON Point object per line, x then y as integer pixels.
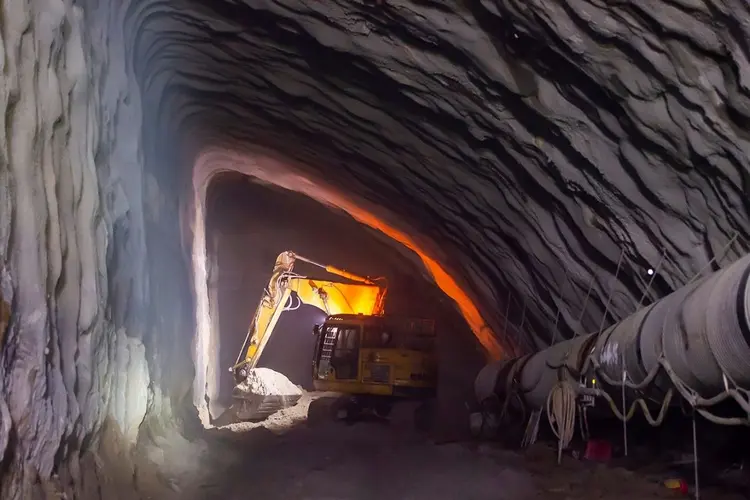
{"type": "Point", "coordinates": [598, 450]}
{"type": "Point", "coordinates": [677, 485]}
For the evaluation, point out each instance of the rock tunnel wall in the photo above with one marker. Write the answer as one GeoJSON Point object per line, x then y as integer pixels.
{"type": "Point", "coordinates": [523, 144]}
{"type": "Point", "coordinates": [64, 360]}
{"type": "Point", "coordinates": [546, 139]}
{"type": "Point", "coordinates": [83, 332]}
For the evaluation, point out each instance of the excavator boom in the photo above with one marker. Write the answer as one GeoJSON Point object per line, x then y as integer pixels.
{"type": "Point", "coordinates": [338, 272]}
{"type": "Point", "coordinates": [366, 297]}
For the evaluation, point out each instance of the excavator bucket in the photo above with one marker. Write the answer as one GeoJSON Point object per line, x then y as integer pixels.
{"type": "Point", "coordinates": [263, 393]}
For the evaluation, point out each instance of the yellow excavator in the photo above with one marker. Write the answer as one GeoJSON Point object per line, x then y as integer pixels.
{"type": "Point", "coordinates": [359, 351]}
{"type": "Point", "coordinates": [377, 360]}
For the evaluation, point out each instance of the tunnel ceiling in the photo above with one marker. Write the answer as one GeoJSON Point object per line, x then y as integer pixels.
{"type": "Point", "coordinates": [532, 141]}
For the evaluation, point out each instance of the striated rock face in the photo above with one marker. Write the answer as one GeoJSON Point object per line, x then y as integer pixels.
{"type": "Point", "coordinates": [530, 142]}
{"type": "Point", "coordinates": [79, 348]}
{"type": "Point", "coordinates": [550, 152]}
{"type": "Point", "coordinates": [58, 350]}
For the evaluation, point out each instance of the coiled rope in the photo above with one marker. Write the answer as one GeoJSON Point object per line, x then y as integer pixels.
{"type": "Point", "coordinates": [561, 413]}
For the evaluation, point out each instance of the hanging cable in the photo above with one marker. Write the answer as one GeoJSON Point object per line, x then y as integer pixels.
{"type": "Point", "coordinates": [290, 301]}
{"type": "Point", "coordinates": [343, 295]}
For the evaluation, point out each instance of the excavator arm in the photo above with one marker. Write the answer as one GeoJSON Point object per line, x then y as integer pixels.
{"type": "Point", "coordinates": [332, 297]}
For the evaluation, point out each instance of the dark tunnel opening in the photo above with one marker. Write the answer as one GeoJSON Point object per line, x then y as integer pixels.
{"type": "Point", "coordinates": [248, 224]}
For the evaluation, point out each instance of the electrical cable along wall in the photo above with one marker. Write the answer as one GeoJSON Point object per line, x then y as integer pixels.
{"type": "Point", "coordinates": [694, 343]}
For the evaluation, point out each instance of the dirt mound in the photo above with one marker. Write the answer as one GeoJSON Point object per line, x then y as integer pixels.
{"type": "Point", "coordinates": [263, 393]}
{"type": "Point", "coordinates": [267, 382]}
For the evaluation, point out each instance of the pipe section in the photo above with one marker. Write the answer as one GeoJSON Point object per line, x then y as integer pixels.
{"type": "Point", "coordinates": [545, 368]}
{"type": "Point", "coordinates": [695, 340]}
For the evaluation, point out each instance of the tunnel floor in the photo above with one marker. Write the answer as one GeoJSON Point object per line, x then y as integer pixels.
{"type": "Point", "coordinates": [287, 457]}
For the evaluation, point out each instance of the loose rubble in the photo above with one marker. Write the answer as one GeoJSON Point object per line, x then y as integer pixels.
{"type": "Point", "coordinates": [263, 393]}
{"type": "Point", "coordinates": [267, 382]}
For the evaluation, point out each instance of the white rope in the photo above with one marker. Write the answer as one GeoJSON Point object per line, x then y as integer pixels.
{"type": "Point", "coordinates": [561, 413]}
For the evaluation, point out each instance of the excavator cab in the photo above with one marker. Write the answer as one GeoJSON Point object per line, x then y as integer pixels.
{"type": "Point", "coordinates": [380, 359]}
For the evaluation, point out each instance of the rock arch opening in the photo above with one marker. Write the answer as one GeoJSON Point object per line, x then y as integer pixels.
{"type": "Point", "coordinates": [269, 170]}
{"type": "Point", "coordinates": [248, 224]}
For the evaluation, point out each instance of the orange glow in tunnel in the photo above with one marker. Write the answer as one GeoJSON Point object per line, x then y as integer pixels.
{"type": "Point", "coordinates": [340, 298]}
{"type": "Point", "coordinates": [443, 280]}
{"type": "Point", "coordinates": [275, 172]}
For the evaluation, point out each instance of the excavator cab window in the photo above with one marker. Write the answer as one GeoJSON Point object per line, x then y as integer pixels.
{"type": "Point", "coordinates": [345, 358]}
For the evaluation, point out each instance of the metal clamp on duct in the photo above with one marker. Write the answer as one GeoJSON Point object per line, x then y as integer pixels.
{"type": "Point", "coordinates": [695, 342]}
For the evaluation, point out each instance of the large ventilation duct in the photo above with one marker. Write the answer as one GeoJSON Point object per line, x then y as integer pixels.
{"type": "Point", "coordinates": [695, 341]}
